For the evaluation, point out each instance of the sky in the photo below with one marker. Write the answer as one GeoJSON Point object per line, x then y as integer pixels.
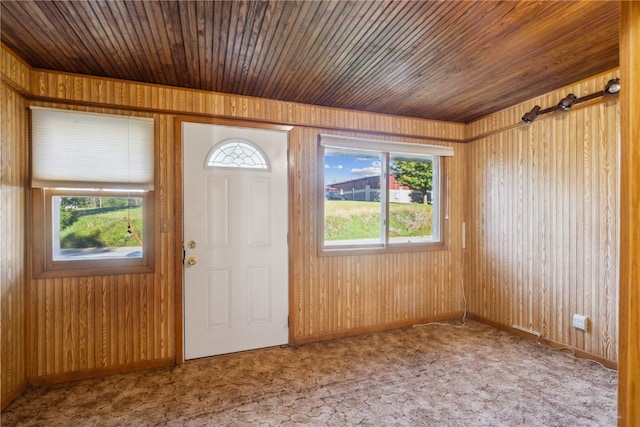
{"type": "Point", "coordinates": [344, 168]}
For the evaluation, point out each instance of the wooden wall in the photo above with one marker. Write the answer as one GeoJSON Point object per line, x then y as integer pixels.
{"type": "Point", "coordinates": [543, 219]}
{"type": "Point", "coordinates": [540, 203]}
{"type": "Point", "coordinates": [335, 296]}
{"type": "Point", "coordinates": [86, 326]}
{"type": "Point", "coordinates": [87, 90]}
{"type": "Point", "coordinates": [94, 325]}
{"type": "Point", "coordinates": [13, 231]}
{"type": "Point", "coordinates": [629, 365]}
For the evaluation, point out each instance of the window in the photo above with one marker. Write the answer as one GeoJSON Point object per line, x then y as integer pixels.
{"type": "Point", "coordinates": [92, 179]}
{"type": "Point", "coordinates": [380, 196]}
{"type": "Point", "coordinates": [236, 154]}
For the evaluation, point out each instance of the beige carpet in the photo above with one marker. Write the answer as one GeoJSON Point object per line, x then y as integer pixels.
{"type": "Point", "coordinates": [426, 376]}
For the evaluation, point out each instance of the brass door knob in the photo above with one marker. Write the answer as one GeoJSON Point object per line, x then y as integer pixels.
{"type": "Point", "coordinates": [192, 260]}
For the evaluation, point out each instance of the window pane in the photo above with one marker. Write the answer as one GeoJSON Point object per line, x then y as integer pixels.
{"type": "Point", "coordinates": [411, 199]}
{"type": "Point", "coordinates": [90, 228]}
{"type": "Point", "coordinates": [352, 209]}
{"type": "Point", "coordinates": [237, 154]}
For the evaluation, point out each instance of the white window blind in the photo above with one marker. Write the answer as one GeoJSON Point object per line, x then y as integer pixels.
{"type": "Point", "coordinates": [84, 150]}
{"type": "Point", "coordinates": [335, 141]}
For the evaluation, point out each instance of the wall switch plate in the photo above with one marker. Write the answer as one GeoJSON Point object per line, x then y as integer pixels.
{"type": "Point", "coordinates": [581, 322]}
{"type": "Point", "coordinates": [165, 225]}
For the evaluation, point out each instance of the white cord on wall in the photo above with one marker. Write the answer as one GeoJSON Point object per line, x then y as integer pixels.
{"type": "Point", "coordinates": [464, 298]}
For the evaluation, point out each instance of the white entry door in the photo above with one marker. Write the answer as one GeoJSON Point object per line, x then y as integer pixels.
{"type": "Point", "coordinates": [235, 239]}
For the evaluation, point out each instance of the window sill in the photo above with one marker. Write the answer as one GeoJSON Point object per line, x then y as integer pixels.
{"type": "Point", "coordinates": [110, 269]}
{"type": "Point", "coordinates": [391, 249]}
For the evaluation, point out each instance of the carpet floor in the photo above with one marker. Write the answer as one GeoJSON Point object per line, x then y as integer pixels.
{"type": "Point", "coordinates": [425, 376]}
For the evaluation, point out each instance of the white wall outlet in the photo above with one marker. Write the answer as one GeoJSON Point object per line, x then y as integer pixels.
{"type": "Point", "coordinates": [581, 322]}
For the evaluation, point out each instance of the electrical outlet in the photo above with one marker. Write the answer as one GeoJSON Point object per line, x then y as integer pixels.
{"type": "Point", "coordinates": [581, 322]}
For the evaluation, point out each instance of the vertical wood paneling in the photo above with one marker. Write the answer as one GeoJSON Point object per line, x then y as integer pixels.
{"type": "Point", "coordinates": [539, 203]}
{"type": "Point", "coordinates": [98, 324]}
{"type": "Point", "coordinates": [540, 206]}
{"type": "Point", "coordinates": [111, 323]}
{"type": "Point", "coordinates": [629, 377]}
{"type": "Point", "coordinates": [13, 227]}
{"type": "Point", "coordinates": [14, 71]}
{"type": "Point", "coordinates": [120, 94]}
{"type": "Point", "coordinates": [132, 316]}
{"type": "Point", "coordinates": [340, 295]}
{"type": "Point", "coordinates": [543, 201]}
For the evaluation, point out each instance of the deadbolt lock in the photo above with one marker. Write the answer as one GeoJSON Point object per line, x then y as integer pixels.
{"type": "Point", "coordinates": [192, 244]}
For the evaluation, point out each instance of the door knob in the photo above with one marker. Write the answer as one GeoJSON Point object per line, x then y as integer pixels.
{"type": "Point", "coordinates": [192, 260]}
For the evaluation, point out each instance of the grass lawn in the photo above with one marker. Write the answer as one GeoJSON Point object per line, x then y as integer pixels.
{"type": "Point", "coordinates": [349, 220]}
{"type": "Point", "coordinates": [106, 229]}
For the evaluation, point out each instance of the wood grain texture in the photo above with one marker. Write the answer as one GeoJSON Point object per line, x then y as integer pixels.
{"type": "Point", "coordinates": [96, 323]}
{"type": "Point", "coordinates": [14, 71]}
{"type": "Point", "coordinates": [112, 323]}
{"type": "Point", "coordinates": [14, 171]}
{"type": "Point", "coordinates": [543, 220]}
{"type": "Point", "coordinates": [335, 296]}
{"type": "Point", "coordinates": [629, 375]}
{"type": "Point", "coordinates": [84, 325]}
{"type": "Point", "coordinates": [444, 60]}
{"type": "Point", "coordinates": [102, 92]}
{"type": "Point", "coordinates": [541, 232]}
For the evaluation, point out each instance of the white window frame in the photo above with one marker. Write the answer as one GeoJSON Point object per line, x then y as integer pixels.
{"type": "Point", "coordinates": [386, 150]}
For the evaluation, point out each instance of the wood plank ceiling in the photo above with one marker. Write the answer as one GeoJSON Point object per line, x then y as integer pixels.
{"type": "Point", "coordinates": [443, 60]}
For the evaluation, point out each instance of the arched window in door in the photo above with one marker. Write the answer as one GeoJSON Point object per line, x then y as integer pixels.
{"type": "Point", "coordinates": [236, 153]}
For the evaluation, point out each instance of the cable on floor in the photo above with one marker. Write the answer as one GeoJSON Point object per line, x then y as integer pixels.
{"type": "Point", "coordinates": [572, 354]}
